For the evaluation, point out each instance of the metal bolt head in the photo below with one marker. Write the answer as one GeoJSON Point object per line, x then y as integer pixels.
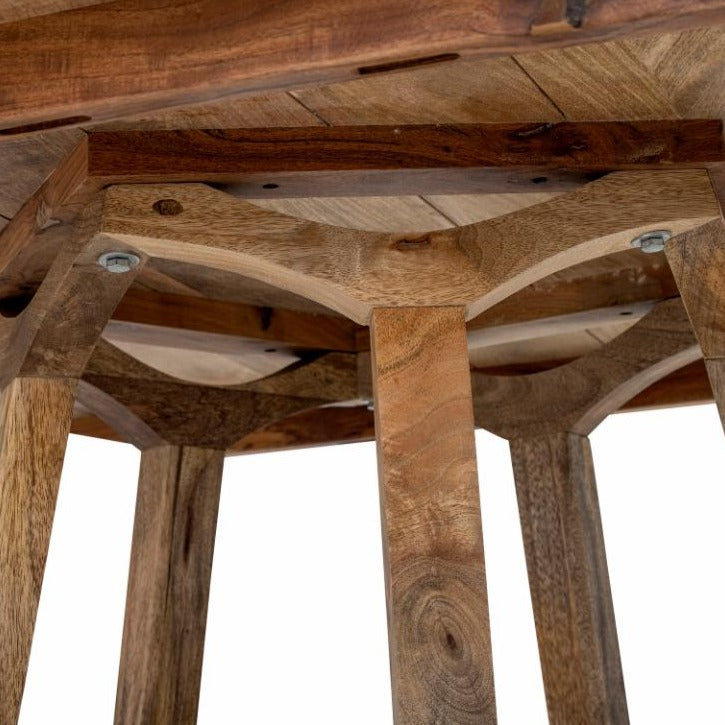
{"type": "Point", "coordinates": [652, 242]}
{"type": "Point", "coordinates": [118, 262]}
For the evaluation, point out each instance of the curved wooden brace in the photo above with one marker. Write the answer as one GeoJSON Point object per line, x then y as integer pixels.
{"type": "Point", "coordinates": [55, 334]}
{"type": "Point", "coordinates": [577, 397]}
{"type": "Point", "coordinates": [150, 408]}
{"type": "Point", "coordinates": [353, 272]}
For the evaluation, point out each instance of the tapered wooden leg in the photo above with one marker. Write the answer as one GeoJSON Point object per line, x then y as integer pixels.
{"type": "Point", "coordinates": [440, 649]}
{"type": "Point", "coordinates": [697, 260]}
{"type": "Point", "coordinates": [168, 590]}
{"type": "Point", "coordinates": [35, 418]}
{"type": "Point", "coordinates": [569, 581]}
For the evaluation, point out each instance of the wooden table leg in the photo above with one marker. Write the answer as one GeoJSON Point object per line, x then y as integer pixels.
{"type": "Point", "coordinates": [569, 580]}
{"type": "Point", "coordinates": [35, 418]}
{"type": "Point", "coordinates": [440, 649]}
{"type": "Point", "coordinates": [168, 590]}
{"type": "Point", "coordinates": [697, 260]}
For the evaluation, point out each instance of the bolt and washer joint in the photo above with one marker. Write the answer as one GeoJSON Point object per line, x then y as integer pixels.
{"type": "Point", "coordinates": [118, 262]}
{"type": "Point", "coordinates": [652, 242]}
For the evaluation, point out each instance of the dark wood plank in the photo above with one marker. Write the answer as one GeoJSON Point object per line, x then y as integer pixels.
{"type": "Point", "coordinates": [35, 417]}
{"type": "Point", "coordinates": [403, 159]}
{"type": "Point", "coordinates": [440, 647]}
{"type": "Point", "coordinates": [568, 579]}
{"type": "Point", "coordinates": [91, 64]}
{"type": "Point", "coordinates": [168, 590]}
{"type": "Point", "coordinates": [182, 312]}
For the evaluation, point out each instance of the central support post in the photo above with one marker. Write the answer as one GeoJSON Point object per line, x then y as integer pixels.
{"type": "Point", "coordinates": [440, 646]}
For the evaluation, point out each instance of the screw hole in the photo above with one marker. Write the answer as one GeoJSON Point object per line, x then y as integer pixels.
{"type": "Point", "coordinates": [270, 186]}
{"type": "Point", "coordinates": [271, 349]}
{"type": "Point", "coordinates": [168, 207]}
{"type": "Point", "coordinates": [626, 313]}
{"type": "Point", "coordinates": [539, 180]}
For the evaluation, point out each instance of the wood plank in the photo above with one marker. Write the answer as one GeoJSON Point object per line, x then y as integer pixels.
{"type": "Point", "coordinates": [168, 590]}
{"type": "Point", "coordinates": [35, 417]}
{"type": "Point", "coordinates": [181, 312]}
{"type": "Point", "coordinates": [440, 647]}
{"type": "Point", "coordinates": [467, 91]}
{"type": "Point", "coordinates": [568, 579]}
{"type": "Point", "coordinates": [605, 82]}
{"type": "Point", "coordinates": [400, 159]}
{"type": "Point", "coordinates": [697, 261]}
{"type": "Point", "coordinates": [18, 9]}
{"type": "Point", "coordinates": [102, 69]}
{"type": "Point", "coordinates": [577, 396]}
{"type": "Point", "coordinates": [689, 385]}
{"type": "Point", "coordinates": [352, 271]}
{"type": "Point", "coordinates": [147, 407]}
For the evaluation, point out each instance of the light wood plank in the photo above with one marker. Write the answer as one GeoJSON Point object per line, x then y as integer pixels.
{"type": "Point", "coordinates": [603, 82]}
{"type": "Point", "coordinates": [168, 590]}
{"type": "Point", "coordinates": [568, 579]}
{"type": "Point", "coordinates": [440, 647]}
{"type": "Point", "coordinates": [35, 418]}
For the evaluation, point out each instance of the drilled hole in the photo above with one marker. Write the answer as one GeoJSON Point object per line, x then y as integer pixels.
{"type": "Point", "coordinates": [168, 207]}
{"type": "Point", "coordinates": [270, 186]}
{"type": "Point", "coordinates": [539, 180]}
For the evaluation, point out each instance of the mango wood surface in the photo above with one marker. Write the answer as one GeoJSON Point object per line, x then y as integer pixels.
{"type": "Point", "coordinates": [578, 396]}
{"type": "Point", "coordinates": [104, 69]}
{"type": "Point", "coordinates": [35, 418]}
{"type": "Point", "coordinates": [56, 332]}
{"type": "Point", "coordinates": [400, 159]}
{"type": "Point", "coordinates": [149, 408]}
{"type": "Point", "coordinates": [697, 262]}
{"type": "Point", "coordinates": [568, 579]}
{"type": "Point", "coordinates": [168, 589]}
{"type": "Point", "coordinates": [352, 272]}
{"type": "Point", "coordinates": [546, 416]}
{"type": "Point", "coordinates": [440, 649]}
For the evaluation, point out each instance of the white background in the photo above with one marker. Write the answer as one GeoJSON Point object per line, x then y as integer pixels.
{"type": "Point", "coordinates": [296, 628]}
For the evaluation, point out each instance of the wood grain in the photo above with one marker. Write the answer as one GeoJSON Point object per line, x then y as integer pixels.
{"type": "Point", "coordinates": [101, 69]}
{"type": "Point", "coordinates": [440, 647]}
{"type": "Point", "coordinates": [56, 332]}
{"type": "Point", "coordinates": [168, 589]}
{"type": "Point", "coordinates": [578, 396]}
{"type": "Point", "coordinates": [402, 159]}
{"type": "Point", "coordinates": [35, 418]}
{"type": "Point", "coordinates": [568, 579]}
{"type": "Point", "coordinates": [697, 261]}
{"type": "Point", "coordinates": [352, 272]}
{"type": "Point", "coordinates": [148, 407]}
{"type": "Point", "coordinates": [186, 313]}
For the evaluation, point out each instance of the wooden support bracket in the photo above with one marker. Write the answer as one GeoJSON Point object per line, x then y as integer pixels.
{"type": "Point", "coordinates": [354, 272]}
